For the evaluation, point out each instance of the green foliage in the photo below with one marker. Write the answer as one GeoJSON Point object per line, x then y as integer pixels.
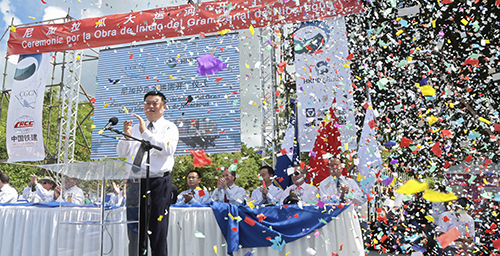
{"type": "Point", "coordinates": [19, 173]}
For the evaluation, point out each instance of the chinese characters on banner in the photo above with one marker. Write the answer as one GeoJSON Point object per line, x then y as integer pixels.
{"type": "Point", "coordinates": [24, 119]}
{"type": "Point", "coordinates": [168, 22]}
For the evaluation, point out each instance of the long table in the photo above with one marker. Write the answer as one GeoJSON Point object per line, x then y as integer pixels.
{"type": "Point", "coordinates": [192, 231]}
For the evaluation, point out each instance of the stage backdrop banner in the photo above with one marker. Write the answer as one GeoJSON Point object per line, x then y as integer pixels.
{"type": "Point", "coordinates": [166, 22]}
{"type": "Point", "coordinates": [206, 109]}
{"type": "Point", "coordinates": [24, 120]}
{"type": "Point", "coordinates": [321, 55]}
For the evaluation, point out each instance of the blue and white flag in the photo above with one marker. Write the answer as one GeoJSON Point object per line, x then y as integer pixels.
{"type": "Point", "coordinates": [370, 160]}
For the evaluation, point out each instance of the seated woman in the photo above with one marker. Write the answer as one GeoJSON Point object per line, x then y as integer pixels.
{"type": "Point", "coordinates": [43, 191]}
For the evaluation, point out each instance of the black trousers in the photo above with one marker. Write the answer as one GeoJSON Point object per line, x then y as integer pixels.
{"type": "Point", "coordinates": [161, 193]}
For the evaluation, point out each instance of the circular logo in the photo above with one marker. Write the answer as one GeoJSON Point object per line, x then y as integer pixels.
{"type": "Point", "coordinates": [322, 67]}
{"type": "Point", "coordinates": [27, 66]}
{"type": "Point", "coordinates": [171, 63]}
{"type": "Point", "coordinates": [310, 37]}
{"type": "Point", "coordinates": [24, 124]}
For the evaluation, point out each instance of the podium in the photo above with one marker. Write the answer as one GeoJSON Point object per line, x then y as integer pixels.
{"type": "Point", "coordinates": [90, 208]}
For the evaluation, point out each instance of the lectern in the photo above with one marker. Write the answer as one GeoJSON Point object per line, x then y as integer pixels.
{"type": "Point", "coordinates": [98, 225]}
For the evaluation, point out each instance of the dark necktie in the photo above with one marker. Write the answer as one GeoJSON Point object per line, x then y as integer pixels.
{"type": "Point", "coordinates": [265, 198]}
{"type": "Point", "coordinates": [140, 153]}
{"type": "Point", "coordinates": [225, 196]}
{"type": "Point", "coordinates": [340, 190]}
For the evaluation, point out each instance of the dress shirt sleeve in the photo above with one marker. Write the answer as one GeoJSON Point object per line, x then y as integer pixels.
{"type": "Point", "coordinates": [274, 194]}
{"type": "Point", "coordinates": [216, 196]}
{"type": "Point", "coordinates": [256, 197]}
{"type": "Point", "coordinates": [309, 193]}
{"type": "Point", "coordinates": [180, 198]}
{"type": "Point", "coordinates": [200, 200]}
{"type": "Point", "coordinates": [78, 197]}
{"type": "Point", "coordinates": [236, 194]}
{"type": "Point", "coordinates": [45, 196]}
{"type": "Point", "coordinates": [206, 198]}
{"type": "Point", "coordinates": [166, 137]}
{"type": "Point", "coordinates": [114, 198]}
{"type": "Point", "coordinates": [26, 193]}
{"type": "Point", "coordinates": [126, 148]}
{"type": "Point", "coordinates": [194, 200]}
{"type": "Point", "coordinates": [358, 196]}
{"type": "Point", "coordinates": [9, 196]}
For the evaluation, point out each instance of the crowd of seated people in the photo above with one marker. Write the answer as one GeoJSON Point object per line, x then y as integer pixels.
{"type": "Point", "coordinates": [334, 188]}
{"type": "Point", "coordinates": [410, 225]}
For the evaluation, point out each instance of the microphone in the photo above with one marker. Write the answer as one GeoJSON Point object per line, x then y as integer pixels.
{"type": "Point", "coordinates": [112, 121]}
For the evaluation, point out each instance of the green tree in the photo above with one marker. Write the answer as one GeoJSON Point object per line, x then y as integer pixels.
{"type": "Point", "coordinates": [248, 165]}
{"type": "Point", "coordinates": [19, 173]}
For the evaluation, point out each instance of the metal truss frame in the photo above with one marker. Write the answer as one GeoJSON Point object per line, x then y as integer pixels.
{"type": "Point", "coordinates": [268, 88]}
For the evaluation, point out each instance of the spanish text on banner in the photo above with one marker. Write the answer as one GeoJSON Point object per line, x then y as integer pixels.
{"type": "Point", "coordinates": [166, 22]}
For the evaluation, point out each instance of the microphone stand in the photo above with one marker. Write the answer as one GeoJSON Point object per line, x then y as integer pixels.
{"type": "Point", "coordinates": [147, 146]}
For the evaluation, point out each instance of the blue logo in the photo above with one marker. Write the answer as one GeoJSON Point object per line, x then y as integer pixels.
{"type": "Point", "coordinates": [27, 66]}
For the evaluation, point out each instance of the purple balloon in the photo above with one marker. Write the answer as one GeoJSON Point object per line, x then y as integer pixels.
{"type": "Point", "coordinates": [209, 65]}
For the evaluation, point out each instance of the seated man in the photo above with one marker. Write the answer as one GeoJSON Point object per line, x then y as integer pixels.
{"type": "Point", "coordinates": [303, 192]}
{"type": "Point", "coordinates": [268, 193]}
{"type": "Point", "coordinates": [71, 193]}
{"type": "Point", "coordinates": [8, 194]}
{"type": "Point", "coordinates": [194, 195]}
{"type": "Point", "coordinates": [117, 197]}
{"type": "Point", "coordinates": [339, 189]}
{"type": "Point", "coordinates": [44, 191]}
{"type": "Point", "coordinates": [226, 190]}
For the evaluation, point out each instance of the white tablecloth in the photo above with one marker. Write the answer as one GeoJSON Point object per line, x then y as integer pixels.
{"type": "Point", "coordinates": [27, 231]}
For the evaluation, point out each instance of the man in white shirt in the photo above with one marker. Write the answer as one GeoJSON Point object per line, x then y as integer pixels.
{"type": "Point", "coordinates": [304, 191]}
{"type": "Point", "coordinates": [44, 190]}
{"type": "Point", "coordinates": [268, 193]}
{"type": "Point", "coordinates": [8, 194]}
{"type": "Point", "coordinates": [340, 189]}
{"type": "Point", "coordinates": [71, 192]}
{"type": "Point", "coordinates": [164, 134]}
{"type": "Point", "coordinates": [227, 191]}
{"type": "Point", "coordinates": [194, 195]}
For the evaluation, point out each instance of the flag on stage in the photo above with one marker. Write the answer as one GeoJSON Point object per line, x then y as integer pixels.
{"type": "Point", "coordinates": [282, 177]}
{"type": "Point", "coordinates": [284, 161]}
{"type": "Point", "coordinates": [370, 160]}
{"type": "Point", "coordinates": [296, 144]}
{"type": "Point", "coordinates": [326, 146]}
{"type": "Point", "coordinates": [324, 76]}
